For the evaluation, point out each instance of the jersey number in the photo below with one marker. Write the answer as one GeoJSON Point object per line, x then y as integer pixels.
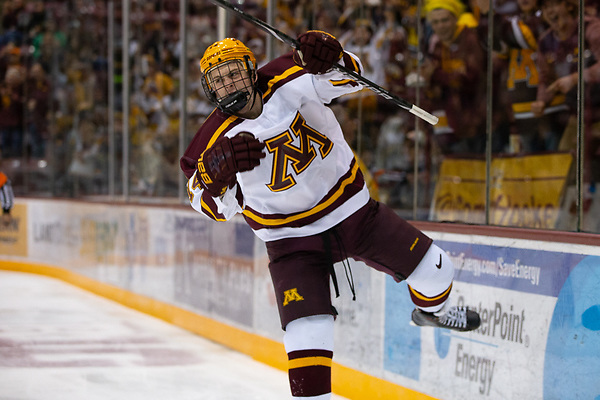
{"type": "Point", "coordinates": [286, 154]}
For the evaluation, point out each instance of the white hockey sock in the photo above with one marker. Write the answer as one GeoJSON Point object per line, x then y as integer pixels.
{"type": "Point", "coordinates": [309, 344]}
{"type": "Point", "coordinates": [430, 283]}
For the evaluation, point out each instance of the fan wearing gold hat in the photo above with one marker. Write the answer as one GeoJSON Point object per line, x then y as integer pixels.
{"type": "Point", "coordinates": [454, 68]}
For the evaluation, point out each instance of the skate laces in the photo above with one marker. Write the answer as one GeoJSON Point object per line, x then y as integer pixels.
{"type": "Point", "coordinates": [455, 317]}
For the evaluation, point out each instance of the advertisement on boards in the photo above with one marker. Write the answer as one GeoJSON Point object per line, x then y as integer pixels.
{"type": "Point", "coordinates": [539, 337]}
{"type": "Point", "coordinates": [214, 270]}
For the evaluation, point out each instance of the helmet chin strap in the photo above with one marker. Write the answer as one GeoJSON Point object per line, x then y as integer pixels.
{"type": "Point", "coordinates": [234, 102]}
{"type": "Point", "coordinates": [237, 101]}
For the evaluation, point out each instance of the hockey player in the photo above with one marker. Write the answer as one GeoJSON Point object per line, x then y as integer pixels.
{"type": "Point", "coordinates": [274, 152]}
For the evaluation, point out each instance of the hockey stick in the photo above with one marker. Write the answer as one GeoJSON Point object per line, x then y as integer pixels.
{"type": "Point", "coordinates": [413, 109]}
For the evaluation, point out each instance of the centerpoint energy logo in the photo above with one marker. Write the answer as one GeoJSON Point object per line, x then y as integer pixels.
{"type": "Point", "coordinates": [539, 336]}
{"type": "Point", "coordinates": [501, 322]}
{"type": "Point", "coordinates": [473, 359]}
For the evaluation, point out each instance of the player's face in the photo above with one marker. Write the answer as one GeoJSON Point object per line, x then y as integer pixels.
{"type": "Point", "coordinates": [229, 78]}
{"type": "Point", "coordinates": [443, 23]}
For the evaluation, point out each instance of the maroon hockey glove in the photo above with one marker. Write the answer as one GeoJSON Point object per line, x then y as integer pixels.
{"type": "Point", "coordinates": [318, 51]}
{"type": "Point", "coordinates": [218, 164]}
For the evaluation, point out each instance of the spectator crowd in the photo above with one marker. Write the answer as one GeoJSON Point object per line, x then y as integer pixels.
{"type": "Point", "coordinates": [54, 108]}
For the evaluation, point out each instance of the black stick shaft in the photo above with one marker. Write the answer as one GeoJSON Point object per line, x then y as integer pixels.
{"type": "Point", "coordinates": [413, 109]}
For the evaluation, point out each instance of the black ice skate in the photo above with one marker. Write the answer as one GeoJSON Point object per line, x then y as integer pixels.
{"type": "Point", "coordinates": [455, 318]}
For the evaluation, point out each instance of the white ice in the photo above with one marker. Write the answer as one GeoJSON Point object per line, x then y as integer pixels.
{"type": "Point", "coordinates": [59, 342]}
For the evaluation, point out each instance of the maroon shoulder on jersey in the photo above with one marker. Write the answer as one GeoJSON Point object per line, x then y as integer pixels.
{"type": "Point", "coordinates": [277, 73]}
{"type": "Point", "coordinates": [217, 121]}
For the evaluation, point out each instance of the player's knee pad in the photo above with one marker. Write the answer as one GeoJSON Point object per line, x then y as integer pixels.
{"type": "Point", "coordinates": [431, 282]}
{"type": "Point", "coordinates": [309, 344]}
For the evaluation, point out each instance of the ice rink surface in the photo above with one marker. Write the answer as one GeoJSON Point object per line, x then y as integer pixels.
{"type": "Point", "coordinates": [59, 342]}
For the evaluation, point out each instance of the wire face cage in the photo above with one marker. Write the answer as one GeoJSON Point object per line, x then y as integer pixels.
{"type": "Point", "coordinates": [229, 85]}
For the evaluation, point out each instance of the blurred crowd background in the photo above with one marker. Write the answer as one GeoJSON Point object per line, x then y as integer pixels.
{"type": "Point", "coordinates": [66, 132]}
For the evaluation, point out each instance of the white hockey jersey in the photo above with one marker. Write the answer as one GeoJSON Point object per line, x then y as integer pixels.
{"type": "Point", "coordinates": [309, 180]}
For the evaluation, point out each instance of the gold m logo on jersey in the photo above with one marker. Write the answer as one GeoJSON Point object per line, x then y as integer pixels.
{"type": "Point", "coordinates": [286, 154]}
{"type": "Point", "coordinates": [291, 295]}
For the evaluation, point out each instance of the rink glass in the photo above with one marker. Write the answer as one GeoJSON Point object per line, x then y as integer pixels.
{"type": "Point", "coordinates": [82, 135]}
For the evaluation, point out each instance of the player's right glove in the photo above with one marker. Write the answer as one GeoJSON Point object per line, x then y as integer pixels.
{"type": "Point", "coordinates": [317, 52]}
{"type": "Point", "coordinates": [219, 163]}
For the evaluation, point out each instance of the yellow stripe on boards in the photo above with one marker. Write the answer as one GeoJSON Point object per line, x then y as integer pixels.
{"type": "Point", "coordinates": [356, 385]}
{"type": "Point", "coordinates": [346, 382]}
{"type": "Point", "coordinates": [258, 347]}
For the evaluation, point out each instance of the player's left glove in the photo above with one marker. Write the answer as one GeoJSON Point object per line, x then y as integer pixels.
{"type": "Point", "coordinates": [218, 164]}
{"type": "Point", "coordinates": [318, 51]}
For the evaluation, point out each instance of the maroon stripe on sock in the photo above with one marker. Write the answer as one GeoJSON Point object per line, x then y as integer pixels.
{"type": "Point", "coordinates": [311, 380]}
{"type": "Point", "coordinates": [292, 355]}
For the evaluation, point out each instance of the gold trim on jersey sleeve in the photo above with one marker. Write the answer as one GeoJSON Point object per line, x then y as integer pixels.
{"type": "Point", "coordinates": [209, 211]}
{"type": "Point", "coordinates": [218, 132]}
{"type": "Point", "coordinates": [341, 82]}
